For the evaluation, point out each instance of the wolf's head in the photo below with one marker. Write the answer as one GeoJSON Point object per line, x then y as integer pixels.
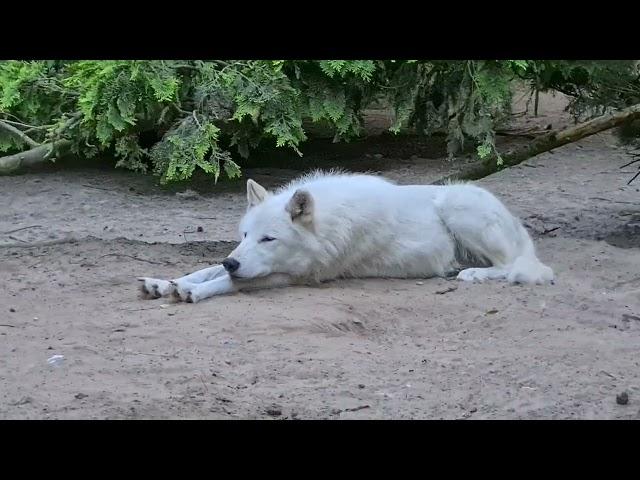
{"type": "Point", "coordinates": [276, 234]}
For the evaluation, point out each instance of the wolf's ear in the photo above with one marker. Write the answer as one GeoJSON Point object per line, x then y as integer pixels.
{"type": "Point", "coordinates": [255, 193]}
{"type": "Point", "coordinates": [300, 207]}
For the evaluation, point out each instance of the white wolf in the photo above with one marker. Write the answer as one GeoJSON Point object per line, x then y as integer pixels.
{"type": "Point", "coordinates": [325, 226]}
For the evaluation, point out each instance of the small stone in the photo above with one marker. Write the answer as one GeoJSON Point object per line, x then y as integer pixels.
{"type": "Point", "coordinates": [361, 385]}
{"type": "Point", "coordinates": [622, 399]}
{"type": "Point", "coordinates": [12, 310]}
{"type": "Point", "coordinates": [80, 396]}
{"type": "Point", "coordinates": [446, 290]}
{"type": "Point", "coordinates": [378, 155]}
{"type": "Point", "coordinates": [200, 229]}
{"type": "Point", "coordinates": [473, 410]}
{"type": "Point", "coordinates": [419, 283]}
{"type": "Point", "coordinates": [274, 412]}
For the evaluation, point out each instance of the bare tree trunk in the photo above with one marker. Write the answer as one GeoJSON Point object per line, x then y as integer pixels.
{"type": "Point", "coordinates": [544, 143]}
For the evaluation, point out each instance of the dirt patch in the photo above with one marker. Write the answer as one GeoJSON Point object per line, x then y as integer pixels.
{"type": "Point", "coordinates": [350, 349]}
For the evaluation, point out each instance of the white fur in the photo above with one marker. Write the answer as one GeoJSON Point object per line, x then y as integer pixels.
{"type": "Point", "coordinates": [331, 225]}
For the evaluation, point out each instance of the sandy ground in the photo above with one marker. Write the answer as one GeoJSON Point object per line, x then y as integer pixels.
{"type": "Point", "coordinates": [401, 349]}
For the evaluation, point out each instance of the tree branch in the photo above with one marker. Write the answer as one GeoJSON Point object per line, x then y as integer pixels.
{"type": "Point", "coordinates": [25, 138]}
{"type": "Point", "coordinates": [22, 124]}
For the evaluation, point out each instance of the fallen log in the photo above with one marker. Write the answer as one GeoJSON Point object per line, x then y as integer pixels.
{"type": "Point", "coordinates": [36, 155]}
{"type": "Point", "coordinates": [39, 152]}
{"type": "Point", "coordinates": [544, 143]}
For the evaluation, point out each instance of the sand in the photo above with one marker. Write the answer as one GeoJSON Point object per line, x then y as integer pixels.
{"type": "Point", "coordinates": [353, 349]}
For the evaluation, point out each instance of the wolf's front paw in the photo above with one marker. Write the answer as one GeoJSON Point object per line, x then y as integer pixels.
{"type": "Point", "coordinates": [152, 288]}
{"type": "Point", "coordinates": [184, 292]}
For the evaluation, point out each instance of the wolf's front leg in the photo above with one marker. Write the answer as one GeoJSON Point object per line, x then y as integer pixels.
{"type": "Point", "coordinates": [156, 288]}
{"type": "Point", "coordinates": [192, 293]}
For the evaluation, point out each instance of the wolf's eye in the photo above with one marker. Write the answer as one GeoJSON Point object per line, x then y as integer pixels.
{"type": "Point", "coordinates": [267, 239]}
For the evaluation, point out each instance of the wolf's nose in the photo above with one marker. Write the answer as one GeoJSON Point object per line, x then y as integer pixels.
{"type": "Point", "coordinates": [230, 264]}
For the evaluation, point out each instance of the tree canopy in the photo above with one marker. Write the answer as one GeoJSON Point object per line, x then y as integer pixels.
{"type": "Point", "coordinates": [170, 118]}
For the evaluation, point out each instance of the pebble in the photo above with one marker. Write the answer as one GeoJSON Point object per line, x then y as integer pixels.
{"type": "Point", "coordinates": [622, 399]}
